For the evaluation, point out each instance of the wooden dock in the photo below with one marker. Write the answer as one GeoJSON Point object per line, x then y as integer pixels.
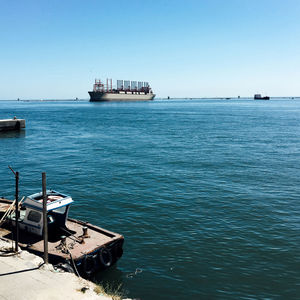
{"type": "Point", "coordinates": [12, 124]}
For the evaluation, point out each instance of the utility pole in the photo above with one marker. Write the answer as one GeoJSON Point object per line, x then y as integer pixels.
{"type": "Point", "coordinates": [17, 214]}
{"type": "Point", "coordinates": [45, 223]}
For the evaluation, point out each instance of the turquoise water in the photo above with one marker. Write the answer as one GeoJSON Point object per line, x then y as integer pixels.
{"type": "Point", "coordinates": [206, 192]}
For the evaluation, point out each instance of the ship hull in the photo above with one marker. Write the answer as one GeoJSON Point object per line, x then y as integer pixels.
{"type": "Point", "coordinates": [129, 96]}
{"type": "Point", "coordinates": [262, 98]}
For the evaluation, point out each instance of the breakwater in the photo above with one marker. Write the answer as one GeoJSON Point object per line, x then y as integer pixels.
{"type": "Point", "coordinates": [11, 124]}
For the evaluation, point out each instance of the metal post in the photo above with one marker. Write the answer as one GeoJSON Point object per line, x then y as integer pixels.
{"type": "Point", "coordinates": [17, 212]}
{"type": "Point", "coordinates": [45, 223]}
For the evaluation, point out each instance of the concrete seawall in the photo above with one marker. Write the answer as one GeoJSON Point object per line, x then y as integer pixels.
{"type": "Point", "coordinates": [23, 276]}
{"type": "Point", "coordinates": [12, 124]}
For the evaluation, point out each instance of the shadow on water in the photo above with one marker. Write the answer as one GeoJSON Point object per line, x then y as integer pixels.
{"type": "Point", "coordinates": [12, 134]}
{"type": "Point", "coordinates": [112, 281]}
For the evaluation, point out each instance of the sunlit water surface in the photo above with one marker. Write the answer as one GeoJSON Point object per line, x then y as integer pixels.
{"type": "Point", "coordinates": [205, 192]}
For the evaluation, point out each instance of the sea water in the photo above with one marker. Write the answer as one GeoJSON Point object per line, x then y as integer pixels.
{"type": "Point", "coordinates": [205, 192]}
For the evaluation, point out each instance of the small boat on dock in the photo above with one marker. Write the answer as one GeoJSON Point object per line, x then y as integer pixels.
{"type": "Point", "coordinates": [73, 245]}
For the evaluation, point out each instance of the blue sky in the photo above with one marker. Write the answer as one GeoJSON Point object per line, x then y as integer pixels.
{"type": "Point", "coordinates": [55, 49]}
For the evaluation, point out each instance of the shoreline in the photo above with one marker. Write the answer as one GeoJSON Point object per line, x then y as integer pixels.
{"type": "Point", "coordinates": [25, 276]}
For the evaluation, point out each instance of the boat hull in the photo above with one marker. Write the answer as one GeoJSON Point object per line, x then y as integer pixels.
{"type": "Point", "coordinates": [126, 96]}
{"type": "Point", "coordinates": [262, 98]}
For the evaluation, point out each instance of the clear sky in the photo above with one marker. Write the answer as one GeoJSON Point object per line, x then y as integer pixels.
{"type": "Point", "coordinates": [204, 48]}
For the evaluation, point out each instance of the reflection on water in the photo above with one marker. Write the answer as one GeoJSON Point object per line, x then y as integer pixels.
{"type": "Point", "coordinates": [13, 134]}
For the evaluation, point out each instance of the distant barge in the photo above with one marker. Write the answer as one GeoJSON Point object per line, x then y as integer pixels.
{"type": "Point", "coordinates": [12, 124]}
{"type": "Point", "coordinates": [124, 91]}
{"type": "Point", "coordinates": [259, 97]}
{"type": "Point", "coordinates": [73, 245]}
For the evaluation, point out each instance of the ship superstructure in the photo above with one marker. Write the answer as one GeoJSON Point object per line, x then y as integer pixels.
{"type": "Point", "coordinates": [125, 90]}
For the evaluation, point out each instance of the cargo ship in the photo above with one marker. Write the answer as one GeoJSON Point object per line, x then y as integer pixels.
{"type": "Point", "coordinates": [259, 97]}
{"type": "Point", "coordinates": [125, 90]}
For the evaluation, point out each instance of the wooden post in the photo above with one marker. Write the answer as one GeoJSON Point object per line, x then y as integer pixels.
{"type": "Point", "coordinates": [45, 223]}
{"type": "Point", "coordinates": [17, 214]}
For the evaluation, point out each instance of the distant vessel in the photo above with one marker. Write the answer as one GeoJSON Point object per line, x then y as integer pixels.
{"type": "Point", "coordinates": [124, 91]}
{"type": "Point", "coordinates": [259, 97]}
